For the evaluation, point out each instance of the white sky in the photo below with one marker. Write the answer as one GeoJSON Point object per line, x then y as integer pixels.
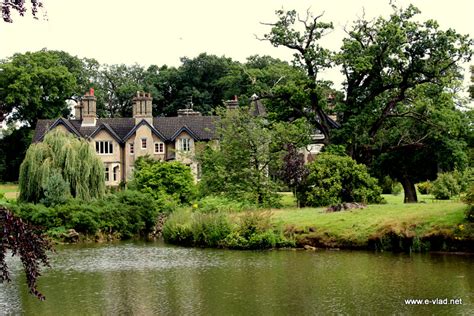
{"type": "Point", "coordinates": [160, 32]}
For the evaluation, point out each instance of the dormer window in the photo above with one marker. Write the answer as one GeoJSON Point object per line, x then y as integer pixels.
{"type": "Point", "coordinates": [143, 143]}
{"type": "Point", "coordinates": [184, 144]}
{"type": "Point", "coordinates": [159, 148]}
{"type": "Point", "coordinates": [104, 147]}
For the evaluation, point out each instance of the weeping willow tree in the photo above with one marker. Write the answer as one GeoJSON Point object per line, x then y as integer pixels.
{"type": "Point", "coordinates": [61, 161]}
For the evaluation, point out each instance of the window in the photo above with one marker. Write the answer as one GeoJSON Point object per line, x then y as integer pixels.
{"type": "Point", "coordinates": [184, 144]}
{"type": "Point", "coordinates": [159, 148]}
{"type": "Point", "coordinates": [106, 174]}
{"type": "Point", "coordinates": [115, 173]}
{"type": "Point", "coordinates": [143, 143]}
{"type": "Point", "coordinates": [132, 148]}
{"type": "Point", "coordinates": [104, 147]}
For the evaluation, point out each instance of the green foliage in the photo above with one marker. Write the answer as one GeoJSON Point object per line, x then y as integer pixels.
{"type": "Point", "coordinates": [469, 200]}
{"type": "Point", "coordinates": [56, 189]}
{"type": "Point", "coordinates": [389, 186]}
{"type": "Point", "coordinates": [220, 204]}
{"type": "Point", "coordinates": [164, 178]}
{"type": "Point", "coordinates": [65, 159]}
{"type": "Point", "coordinates": [177, 228]}
{"type": "Point", "coordinates": [309, 56]}
{"type": "Point", "coordinates": [399, 114]}
{"type": "Point", "coordinates": [248, 149]}
{"type": "Point", "coordinates": [210, 229]}
{"type": "Point", "coordinates": [424, 187]}
{"type": "Point", "coordinates": [446, 186]}
{"type": "Point", "coordinates": [39, 83]}
{"type": "Point", "coordinates": [335, 179]}
{"type": "Point", "coordinates": [250, 230]}
{"type": "Point", "coordinates": [124, 214]}
{"type": "Point", "coordinates": [338, 150]}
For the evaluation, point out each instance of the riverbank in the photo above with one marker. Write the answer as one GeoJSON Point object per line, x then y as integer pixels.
{"type": "Point", "coordinates": [428, 226]}
{"type": "Point", "coordinates": [434, 226]}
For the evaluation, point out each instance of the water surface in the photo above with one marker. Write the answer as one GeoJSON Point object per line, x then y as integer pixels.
{"type": "Point", "coordinates": [155, 279]}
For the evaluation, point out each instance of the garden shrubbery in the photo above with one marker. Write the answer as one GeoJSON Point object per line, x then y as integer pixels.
{"type": "Point", "coordinates": [424, 187]}
{"type": "Point", "coordinates": [450, 184]}
{"type": "Point", "coordinates": [218, 204]}
{"type": "Point", "coordinates": [159, 178]}
{"type": "Point", "coordinates": [335, 179]}
{"type": "Point", "coordinates": [123, 215]}
{"type": "Point", "coordinates": [248, 230]}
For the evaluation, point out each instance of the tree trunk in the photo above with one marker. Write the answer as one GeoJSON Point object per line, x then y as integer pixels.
{"type": "Point", "coordinates": [409, 190]}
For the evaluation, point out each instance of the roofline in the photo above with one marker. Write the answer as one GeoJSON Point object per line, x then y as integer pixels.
{"type": "Point", "coordinates": [109, 129]}
{"type": "Point", "coordinates": [187, 130]}
{"type": "Point", "coordinates": [63, 121]}
{"type": "Point", "coordinates": [142, 122]}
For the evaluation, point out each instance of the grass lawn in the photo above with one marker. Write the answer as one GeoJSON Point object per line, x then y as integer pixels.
{"type": "Point", "coordinates": [10, 190]}
{"type": "Point", "coordinates": [357, 225]}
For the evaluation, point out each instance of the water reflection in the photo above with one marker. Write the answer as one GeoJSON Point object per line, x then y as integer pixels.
{"type": "Point", "coordinates": [155, 279]}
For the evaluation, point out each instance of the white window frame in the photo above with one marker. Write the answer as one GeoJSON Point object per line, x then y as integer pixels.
{"type": "Point", "coordinates": [184, 144]}
{"type": "Point", "coordinates": [104, 147]}
{"type": "Point", "coordinates": [107, 174]}
{"type": "Point", "coordinates": [131, 148]}
{"type": "Point", "coordinates": [146, 142]}
{"type": "Point", "coordinates": [160, 146]}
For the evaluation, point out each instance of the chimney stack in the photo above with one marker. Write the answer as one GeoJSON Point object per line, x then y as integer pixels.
{"type": "Point", "coordinates": [232, 104]}
{"type": "Point", "coordinates": [142, 107]}
{"type": "Point", "coordinates": [87, 109]}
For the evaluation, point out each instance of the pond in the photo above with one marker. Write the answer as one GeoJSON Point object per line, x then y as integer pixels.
{"type": "Point", "coordinates": [139, 278]}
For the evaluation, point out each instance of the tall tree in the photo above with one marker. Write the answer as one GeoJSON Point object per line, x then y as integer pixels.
{"type": "Point", "coordinates": [308, 54]}
{"type": "Point", "coordinates": [115, 87]}
{"type": "Point", "coordinates": [275, 82]}
{"type": "Point", "coordinates": [37, 85]}
{"type": "Point", "coordinates": [399, 73]}
{"type": "Point", "coordinates": [61, 160]}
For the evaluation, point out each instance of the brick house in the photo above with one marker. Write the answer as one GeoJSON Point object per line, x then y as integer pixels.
{"type": "Point", "coordinates": [120, 141]}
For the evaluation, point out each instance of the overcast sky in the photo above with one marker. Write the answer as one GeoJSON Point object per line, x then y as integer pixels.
{"type": "Point", "coordinates": [160, 32]}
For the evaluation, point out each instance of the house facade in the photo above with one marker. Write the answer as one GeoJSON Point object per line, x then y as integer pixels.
{"type": "Point", "coordinates": [120, 141]}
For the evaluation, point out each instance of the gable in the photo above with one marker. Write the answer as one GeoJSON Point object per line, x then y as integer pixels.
{"type": "Point", "coordinates": [140, 128]}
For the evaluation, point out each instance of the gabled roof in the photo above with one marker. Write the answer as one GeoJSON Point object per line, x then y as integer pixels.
{"type": "Point", "coordinates": [105, 126]}
{"type": "Point", "coordinates": [143, 122]}
{"type": "Point", "coordinates": [184, 129]}
{"type": "Point", "coordinates": [60, 121]}
{"type": "Point", "coordinates": [201, 128]}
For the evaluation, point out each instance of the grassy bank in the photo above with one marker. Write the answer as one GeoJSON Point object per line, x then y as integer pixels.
{"type": "Point", "coordinates": [439, 225]}
{"type": "Point", "coordinates": [9, 190]}
{"type": "Point", "coordinates": [430, 225]}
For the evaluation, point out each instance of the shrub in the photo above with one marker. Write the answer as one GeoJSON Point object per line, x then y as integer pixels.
{"type": "Point", "coordinates": [424, 187]}
{"type": "Point", "coordinates": [219, 204]}
{"type": "Point", "coordinates": [55, 190]}
{"type": "Point", "coordinates": [125, 214]}
{"type": "Point", "coordinates": [335, 179]}
{"type": "Point", "coordinates": [177, 228]}
{"type": "Point", "coordinates": [251, 230]}
{"type": "Point", "coordinates": [390, 186]}
{"type": "Point", "coordinates": [469, 200]}
{"type": "Point", "coordinates": [445, 186]}
{"type": "Point", "coordinates": [157, 178]}
{"type": "Point", "coordinates": [210, 229]}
